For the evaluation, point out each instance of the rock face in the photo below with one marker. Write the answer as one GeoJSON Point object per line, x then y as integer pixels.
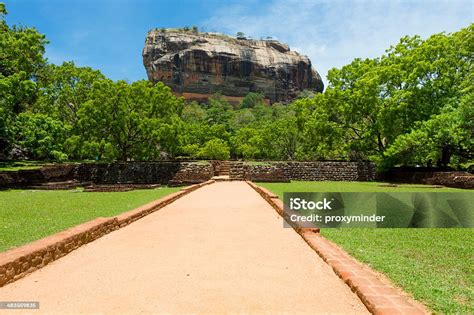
{"type": "Point", "coordinates": [193, 63]}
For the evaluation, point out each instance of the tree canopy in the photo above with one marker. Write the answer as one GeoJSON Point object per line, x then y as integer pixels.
{"type": "Point", "coordinates": [411, 106]}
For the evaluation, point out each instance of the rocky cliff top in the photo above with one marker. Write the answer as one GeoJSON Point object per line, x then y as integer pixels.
{"type": "Point", "coordinates": [206, 63]}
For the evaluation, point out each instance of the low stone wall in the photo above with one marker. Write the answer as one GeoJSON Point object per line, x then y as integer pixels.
{"type": "Point", "coordinates": [236, 170]}
{"type": "Point", "coordinates": [192, 173]}
{"type": "Point", "coordinates": [183, 173]}
{"type": "Point", "coordinates": [216, 165]}
{"type": "Point", "coordinates": [162, 172]}
{"type": "Point", "coordinates": [23, 178]}
{"type": "Point", "coordinates": [282, 171]}
{"type": "Point", "coordinates": [328, 170]}
{"type": "Point", "coordinates": [430, 176]}
{"type": "Point", "coordinates": [264, 173]}
{"type": "Point", "coordinates": [455, 180]}
{"type": "Point", "coordinates": [130, 172]}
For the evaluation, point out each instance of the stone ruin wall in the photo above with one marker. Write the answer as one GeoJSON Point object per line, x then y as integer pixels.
{"type": "Point", "coordinates": [283, 171]}
{"type": "Point", "coordinates": [177, 173]}
{"type": "Point", "coordinates": [173, 173]}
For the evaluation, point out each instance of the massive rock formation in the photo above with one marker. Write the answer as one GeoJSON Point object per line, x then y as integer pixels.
{"type": "Point", "coordinates": [195, 63]}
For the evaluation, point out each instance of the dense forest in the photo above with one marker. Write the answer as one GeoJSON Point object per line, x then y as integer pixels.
{"type": "Point", "coordinates": [411, 106]}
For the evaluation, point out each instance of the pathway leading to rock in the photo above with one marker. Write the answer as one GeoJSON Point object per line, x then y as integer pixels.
{"type": "Point", "coordinates": [220, 249]}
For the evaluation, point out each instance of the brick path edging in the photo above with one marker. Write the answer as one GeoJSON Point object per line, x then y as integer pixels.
{"type": "Point", "coordinates": [378, 296]}
{"type": "Point", "coordinates": [21, 261]}
{"type": "Point", "coordinates": [277, 204]}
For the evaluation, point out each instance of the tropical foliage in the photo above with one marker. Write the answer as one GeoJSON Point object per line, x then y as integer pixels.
{"type": "Point", "coordinates": [411, 106]}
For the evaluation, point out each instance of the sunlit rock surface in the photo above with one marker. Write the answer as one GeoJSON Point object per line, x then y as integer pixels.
{"type": "Point", "coordinates": [200, 64]}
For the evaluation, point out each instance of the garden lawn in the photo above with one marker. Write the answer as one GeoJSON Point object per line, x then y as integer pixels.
{"type": "Point", "coordinates": [20, 165]}
{"type": "Point", "coordinates": [28, 215]}
{"type": "Point", "coordinates": [435, 265]}
{"type": "Point", "coordinates": [305, 186]}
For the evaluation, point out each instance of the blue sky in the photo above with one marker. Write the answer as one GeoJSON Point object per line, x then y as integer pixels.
{"type": "Point", "coordinates": [109, 34]}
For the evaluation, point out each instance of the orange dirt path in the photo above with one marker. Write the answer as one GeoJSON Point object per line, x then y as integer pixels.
{"type": "Point", "coordinates": [220, 249]}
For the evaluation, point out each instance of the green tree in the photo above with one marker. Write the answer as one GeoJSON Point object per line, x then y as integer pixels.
{"type": "Point", "coordinates": [248, 143]}
{"type": "Point", "coordinates": [242, 118]}
{"type": "Point", "coordinates": [131, 121]}
{"type": "Point", "coordinates": [193, 113]}
{"type": "Point", "coordinates": [251, 100]}
{"type": "Point", "coordinates": [21, 57]}
{"type": "Point", "coordinates": [64, 89]}
{"type": "Point", "coordinates": [41, 135]}
{"type": "Point", "coordinates": [219, 110]}
{"type": "Point", "coordinates": [240, 35]}
{"type": "Point", "coordinates": [321, 137]}
{"type": "Point", "coordinates": [215, 149]}
{"type": "Point", "coordinates": [438, 139]}
{"type": "Point", "coordinates": [195, 135]}
{"type": "Point", "coordinates": [378, 103]}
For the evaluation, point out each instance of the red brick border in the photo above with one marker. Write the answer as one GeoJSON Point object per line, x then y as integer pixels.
{"type": "Point", "coordinates": [379, 296]}
{"type": "Point", "coordinates": [277, 204]}
{"type": "Point", "coordinates": [21, 261]}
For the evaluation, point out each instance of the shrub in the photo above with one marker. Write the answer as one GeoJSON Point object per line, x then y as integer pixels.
{"type": "Point", "coordinates": [191, 150]}
{"type": "Point", "coordinates": [41, 135]}
{"type": "Point", "coordinates": [215, 149]}
{"type": "Point", "coordinates": [251, 100]}
{"type": "Point", "coordinates": [240, 35]}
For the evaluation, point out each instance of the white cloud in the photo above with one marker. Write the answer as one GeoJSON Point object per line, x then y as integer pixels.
{"type": "Point", "coordinates": [333, 33]}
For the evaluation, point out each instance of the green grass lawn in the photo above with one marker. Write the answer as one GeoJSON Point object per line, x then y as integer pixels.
{"type": "Point", "coordinates": [28, 215]}
{"type": "Point", "coordinates": [20, 165]}
{"type": "Point", "coordinates": [263, 163]}
{"type": "Point", "coordinates": [304, 186]}
{"type": "Point", "coordinates": [435, 265]}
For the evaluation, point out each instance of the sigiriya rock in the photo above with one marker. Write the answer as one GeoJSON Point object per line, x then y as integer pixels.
{"type": "Point", "coordinates": [196, 65]}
